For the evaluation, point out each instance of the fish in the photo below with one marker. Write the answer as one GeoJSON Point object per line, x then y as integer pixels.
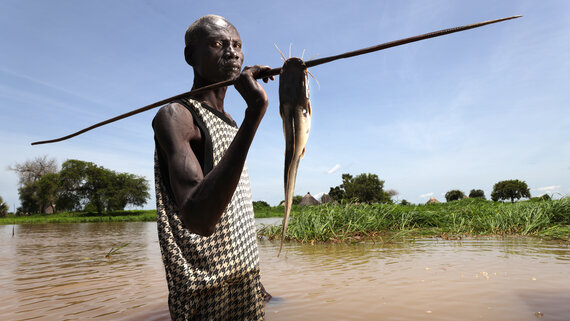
{"type": "Point", "coordinates": [295, 110]}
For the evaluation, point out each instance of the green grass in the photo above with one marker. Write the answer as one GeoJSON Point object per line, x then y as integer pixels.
{"type": "Point", "coordinates": [350, 222]}
{"type": "Point", "coordinates": [118, 216]}
{"type": "Point", "coordinates": [271, 211]}
{"type": "Point", "coordinates": [81, 217]}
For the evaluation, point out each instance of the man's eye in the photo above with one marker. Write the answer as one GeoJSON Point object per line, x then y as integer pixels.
{"type": "Point", "coordinates": [217, 44]}
{"type": "Point", "coordinates": [237, 45]}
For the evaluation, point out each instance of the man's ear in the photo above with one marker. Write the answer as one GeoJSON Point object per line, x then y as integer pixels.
{"type": "Point", "coordinates": [188, 56]}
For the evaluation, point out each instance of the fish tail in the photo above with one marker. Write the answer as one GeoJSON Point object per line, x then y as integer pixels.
{"type": "Point", "coordinates": [291, 174]}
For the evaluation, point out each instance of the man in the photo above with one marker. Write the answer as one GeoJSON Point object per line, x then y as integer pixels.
{"type": "Point", "coordinates": [205, 215]}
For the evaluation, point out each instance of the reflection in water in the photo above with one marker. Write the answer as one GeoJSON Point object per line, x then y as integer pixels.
{"type": "Point", "coordinates": [60, 272]}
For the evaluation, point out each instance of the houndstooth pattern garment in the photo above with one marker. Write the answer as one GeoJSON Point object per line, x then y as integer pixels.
{"type": "Point", "coordinates": [215, 277]}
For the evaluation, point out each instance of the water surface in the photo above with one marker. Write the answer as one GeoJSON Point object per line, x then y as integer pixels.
{"type": "Point", "coordinates": [60, 272]}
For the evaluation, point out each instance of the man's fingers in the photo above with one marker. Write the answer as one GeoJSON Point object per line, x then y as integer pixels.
{"type": "Point", "coordinates": [266, 79]}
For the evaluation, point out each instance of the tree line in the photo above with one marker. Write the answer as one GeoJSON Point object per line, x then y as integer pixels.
{"type": "Point", "coordinates": [363, 188]}
{"type": "Point", "coordinates": [368, 188]}
{"type": "Point", "coordinates": [512, 190]}
{"type": "Point", "coordinates": [77, 186]}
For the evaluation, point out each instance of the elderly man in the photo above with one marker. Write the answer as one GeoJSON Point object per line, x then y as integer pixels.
{"type": "Point", "coordinates": [205, 216]}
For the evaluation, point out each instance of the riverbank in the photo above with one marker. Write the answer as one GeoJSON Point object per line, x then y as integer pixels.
{"type": "Point", "coordinates": [118, 216]}
{"type": "Point", "coordinates": [468, 217]}
{"type": "Point", "coordinates": [355, 223]}
{"type": "Point", "coordinates": [81, 217]}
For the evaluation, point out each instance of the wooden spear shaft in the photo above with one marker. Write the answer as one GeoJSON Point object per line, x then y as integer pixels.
{"type": "Point", "coordinates": [277, 71]}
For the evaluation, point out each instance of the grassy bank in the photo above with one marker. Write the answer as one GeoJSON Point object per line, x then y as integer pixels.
{"type": "Point", "coordinates": [80, 217]}
{"type": "Point", "coordinates": [352, 222]}
{"type": "Point", "coordinates": [119, 216]}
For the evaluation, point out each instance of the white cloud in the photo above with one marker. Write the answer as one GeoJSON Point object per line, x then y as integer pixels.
{"type": "Point", "coordinates": [426, 195]}
{"type": "Point", "coordinates": [334, 169]}
{"type": "Point", "coordinates": [548, 188]}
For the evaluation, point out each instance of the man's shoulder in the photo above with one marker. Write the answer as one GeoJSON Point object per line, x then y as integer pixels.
{"type": "Point", "coordinates": [170, 113]}
{"type": "Point", "coordinates": [174, 123]}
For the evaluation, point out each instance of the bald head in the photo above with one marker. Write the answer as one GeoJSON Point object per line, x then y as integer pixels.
{"type": "Point", "coordinates": [213, 49]}
{"type": "Point", "coordinates": [204, 26]}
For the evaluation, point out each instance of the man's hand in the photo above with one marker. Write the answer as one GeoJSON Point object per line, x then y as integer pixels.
{"type": "Point", "coordinates": [251, 91]}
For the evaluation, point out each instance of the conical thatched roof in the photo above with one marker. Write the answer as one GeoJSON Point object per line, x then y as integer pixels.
{"type": "Point", "coordinates": [432, 200]}
{"type": "Point", "coordinates": [308, 200]}
{"type": "Point", "coordinates": [326, 198]}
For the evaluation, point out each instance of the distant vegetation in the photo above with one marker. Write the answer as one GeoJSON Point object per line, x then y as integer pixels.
{"type": "Point", "coordinates": [3, 207]}
{"type": "Point", "coordinates": [477, 193]}
{"type": "Point", "coordinates": [363, 188]}
{"type": "Point", "coordinates": [78, 186]}
{"type": "Point", "coordinates": [363, 209]}
{"type": "Point", "coordinates": [81, 217]}
{"type": "Point", "coordinates": [454, 195]}
{"type": "Point", "coordinates": [510, 190]}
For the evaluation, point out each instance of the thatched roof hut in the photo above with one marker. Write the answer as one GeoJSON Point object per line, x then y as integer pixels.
{"type": "Point", "coordinates": [432, 200]}
{"type": "Point", "coordinates": [308, 200]}
{"type": "Point", "coordinates": [326, 198]}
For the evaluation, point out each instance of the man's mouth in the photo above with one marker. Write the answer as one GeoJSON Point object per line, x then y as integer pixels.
{"type": "Point", "coordinates": [232, 66]}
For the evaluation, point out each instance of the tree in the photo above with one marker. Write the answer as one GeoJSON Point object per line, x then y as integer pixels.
{"type": "Point", "coordinates": [260, 204]}
{"type": "Point", "coordinates": [477, 193]}
{"type": "Point", "coordinates": [48, 190]}
{"type": "Point", "coordinates": [85, 183]}
{"type": "Point", "coordinates": [296, 200]}
{"type": "Point", "coordinates": [337, 193]}
{"type": "Point", "coordinates": [366, 188]}
{"type": "Point", "coordinates": [28, 199]}
{"type": "Point", "coordinates": [126, 189]}
{"type": "Point", "coordinates": [541, 198]}
{"type": "Point", "coordinates": [510, 189]}
{"type": "Point", "coordinates": [3, 207]}
{"type": "Point", "coordinates": [37, 184]}
{"type": "Point", "coordinates": [454, 195]}
{"type": "Point", "coordinates": [32, 170]}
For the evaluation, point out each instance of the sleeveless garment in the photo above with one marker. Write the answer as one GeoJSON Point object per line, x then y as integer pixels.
{"type": "Point", "coordinates": [215, 277]}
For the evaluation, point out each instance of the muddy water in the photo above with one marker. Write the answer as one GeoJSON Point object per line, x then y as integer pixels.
{"type": "Point", "coordinates": [60, 272]}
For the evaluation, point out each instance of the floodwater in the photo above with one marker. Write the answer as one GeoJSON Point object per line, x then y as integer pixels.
{"type": "Point", "coordinates": [60, 272]}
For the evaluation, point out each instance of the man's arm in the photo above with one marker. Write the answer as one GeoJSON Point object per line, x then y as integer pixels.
{"type": "Point", "coordinates": [203, 199]}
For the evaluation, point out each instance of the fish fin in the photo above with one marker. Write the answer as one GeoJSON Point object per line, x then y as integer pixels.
{"type": "Point", "coordinates": [303, 153]}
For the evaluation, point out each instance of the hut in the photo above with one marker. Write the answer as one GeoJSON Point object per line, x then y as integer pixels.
{"type": "Point", "coordinates": [326, 198]}
{"type": "Point", "coordinates": [308, 200]}
{"type": "Point", "coordinates": [432, 201]}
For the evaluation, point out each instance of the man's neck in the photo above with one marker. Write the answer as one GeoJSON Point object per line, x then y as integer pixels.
{"type": "Point", "coordinates": [214, 98]}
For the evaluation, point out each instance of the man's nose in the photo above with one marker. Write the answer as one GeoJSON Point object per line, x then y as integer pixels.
{"type": "Point", "coordinates": [231, 52]}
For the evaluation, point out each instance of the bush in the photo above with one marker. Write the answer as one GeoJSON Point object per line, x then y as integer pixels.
{"type": "Point", "coordinates": [3, 208]}
{"type": "Point", "coordinates": [454, 195]}
{"type": "Point", "coordinates": [510, 189]}
{"type": "Point", "coordinates": [477, 193]}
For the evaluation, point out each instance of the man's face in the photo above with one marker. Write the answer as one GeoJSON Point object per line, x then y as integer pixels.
{"type": "Point", "coordinates": [217, 56]}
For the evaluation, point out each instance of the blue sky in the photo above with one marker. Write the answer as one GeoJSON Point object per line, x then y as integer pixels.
{"type": "Point", "coordinates": [462, 111]}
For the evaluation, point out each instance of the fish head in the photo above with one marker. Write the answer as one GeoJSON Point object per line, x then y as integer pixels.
{"type": "Point", "coordinates": [294, 82]}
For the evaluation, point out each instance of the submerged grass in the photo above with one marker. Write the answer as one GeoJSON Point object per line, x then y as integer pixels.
{"type": "Point", "coordinates": [351, 222]}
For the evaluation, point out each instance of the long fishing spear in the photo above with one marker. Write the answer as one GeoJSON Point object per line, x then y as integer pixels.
{"type": "Point", "coordinates": [277, 71]}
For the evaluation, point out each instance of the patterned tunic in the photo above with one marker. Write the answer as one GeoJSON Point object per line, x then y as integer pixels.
{"type": "Point", "coordinates": [215, 277]}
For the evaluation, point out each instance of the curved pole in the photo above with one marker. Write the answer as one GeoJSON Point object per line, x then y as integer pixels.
{"type": "Point", "coordinates": [277, 71]}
